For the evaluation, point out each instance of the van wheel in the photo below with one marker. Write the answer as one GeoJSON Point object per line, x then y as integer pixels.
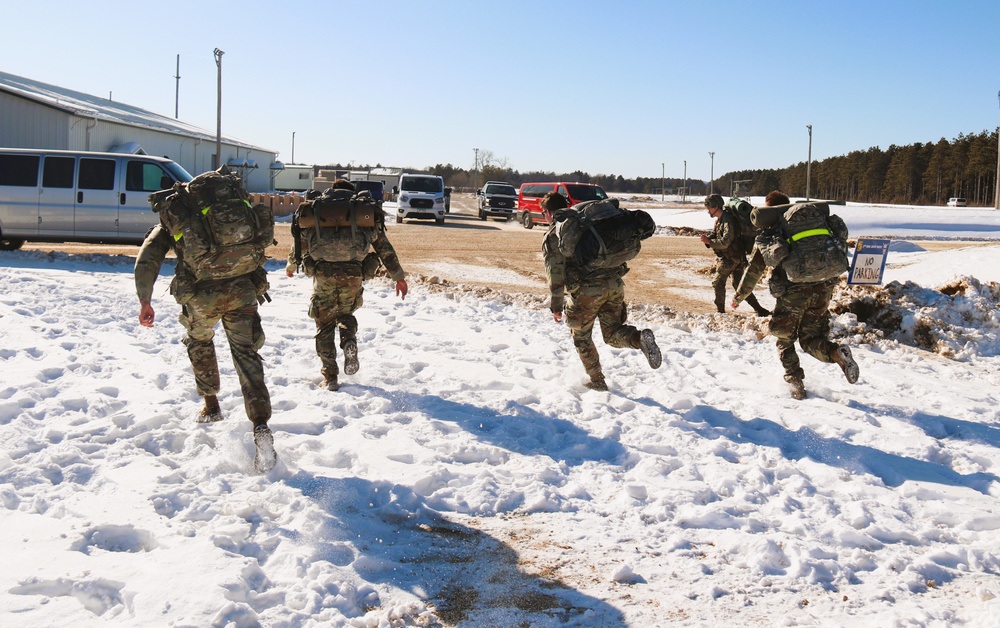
{"type": "Point", "coordinates": [399, 220]}
{"type": "Point", "coordinates": [439, 221]}
{"type": "Point", "coordinates": [9, 244]}
{"type": "Point", "coordinates": [482, 214]}
{"type": "Point", "coordinates": [528, 223]}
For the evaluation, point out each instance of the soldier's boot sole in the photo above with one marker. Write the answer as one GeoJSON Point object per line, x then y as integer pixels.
{"type": "Point", "coordinates": [647, 342]}
{"type": "Point", "coordinates": [842, 356]}
{"type": "Point", "coordinates": [266, 457]}
{"type": "Point", "coordinates": [351, 364]}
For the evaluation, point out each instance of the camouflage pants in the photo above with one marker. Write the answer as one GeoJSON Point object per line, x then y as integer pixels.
{"type": "Point", "coordinates": [803, 313]}
{"type": "Point", "coordinates": [334, 301]}
{"type": "Point", "coordinates": [602, 300]}
{"type": "Point", "coordinates": [237, 309]}
{"type": "Point", "coordinates": [727, 268]}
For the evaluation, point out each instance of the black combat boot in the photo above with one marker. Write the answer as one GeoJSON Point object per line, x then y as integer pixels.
{"type": "Point", "coordinates": [757, 307]}
{"type": "Point", "coordinates": [647, 342]}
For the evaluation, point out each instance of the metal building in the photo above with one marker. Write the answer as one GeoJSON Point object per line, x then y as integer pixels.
{"type": "Point", "coordinates": [38, 115]}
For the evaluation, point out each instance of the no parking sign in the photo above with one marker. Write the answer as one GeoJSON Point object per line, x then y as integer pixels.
{"type": "Point", "coordinates": [869, 262]}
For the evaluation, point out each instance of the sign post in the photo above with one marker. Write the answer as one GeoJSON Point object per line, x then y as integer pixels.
{"type": "Point", "coordinates": [868, 264]}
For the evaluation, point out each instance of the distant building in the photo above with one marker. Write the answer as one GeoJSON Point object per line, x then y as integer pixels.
{"type": "Point", "coordinates": [38, 115]}
{"type": "Point", "coordinates": [292, 177]}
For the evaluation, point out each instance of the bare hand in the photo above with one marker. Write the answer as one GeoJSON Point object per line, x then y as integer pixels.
{"type": "Point", "coordinates": [705, 240]}
{"type": "Point", "coordinates": [557, 317]}
{"type": "Point", "coordinates": [401, 288]}
{"type": "Point", "coordinates": [734, 304]}
{"type": "Point", "coordinates": [146, 314]}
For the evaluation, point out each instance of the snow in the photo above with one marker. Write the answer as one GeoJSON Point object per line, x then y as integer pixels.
{"type": "Point", "coordinates": [465, 476]}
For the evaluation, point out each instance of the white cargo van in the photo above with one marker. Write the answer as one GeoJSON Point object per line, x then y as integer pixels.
{"type": "Point", "coordinates": [68, 196]}
{"type": "Point", "coordinates": [420, 196]}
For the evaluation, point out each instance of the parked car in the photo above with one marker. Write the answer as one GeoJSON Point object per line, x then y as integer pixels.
{"type": "Point", "coordinates": [420, 196]}
{"type": "Point", "coordinates": [498, 200]}
{"type": "Point", "coordinates": [529, 195]}
{"type": "Point", "coordinates": [957, 202]}
{"type": "Point", "coordinates": [79, 196]}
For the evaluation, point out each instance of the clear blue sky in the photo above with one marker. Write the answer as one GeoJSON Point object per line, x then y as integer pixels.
{"type": "Point", "coordinates": [604, 87]}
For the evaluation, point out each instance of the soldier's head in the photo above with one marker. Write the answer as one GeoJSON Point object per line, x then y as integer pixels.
{"type": "Point", "coordinates": [342, 184]}
{"type": "Point", "coordinates": [553, 201]}
{"type": "Point", "coordinates": [714, 205]}
{"type": "Point", "coordinates": [777, 197]}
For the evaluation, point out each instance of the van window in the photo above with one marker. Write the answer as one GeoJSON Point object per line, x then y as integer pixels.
{"type": "Point", "coordinates": [420, 184]}
{"type": "Point", "coordinates": [143, 176]}
{"type": "Point", "coordinates": [19, 170]}
{"type": "Point", "coordinates": [581, 193]}
{"type": "Point", "coordinates": [97, 174]}
{"type": "Point", "coordinates": [58, 172]}
{"type": "Point", "coordinates": [535, 191]}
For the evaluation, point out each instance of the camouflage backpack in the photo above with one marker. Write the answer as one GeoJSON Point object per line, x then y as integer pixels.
{"type": "Point", "coordinates": [219, 233]}
{"type": "Point", "coordinates": [808, 242]}
{"type": "Point", "coordinates": [339, 225]}
{"type": "Point", "coordinates": [598, 234]}
{"type": "Point", "coordinates": [740, 210]}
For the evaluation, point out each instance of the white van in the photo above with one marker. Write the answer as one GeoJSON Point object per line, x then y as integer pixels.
{"type": "Point", "coordinates": [957, 202]}
{"type": "Point", "coordinates": [420, 196]}
{"type": "Point", "coordinates": [68, 196]}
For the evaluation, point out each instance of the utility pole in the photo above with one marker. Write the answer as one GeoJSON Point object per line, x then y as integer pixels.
{"type": "Point", "coordinates": [218, 128]}
{"type": "Point", "coordinates": [810, 162]}
{"type": "Point", "coordinates": [177, 87]}
{"type": "Point", "coordinates": [663, 177]}
{"type": "Point", "coordinates": [711, 180]}
{"type": "Point", "coordinates": [475, 169]}
{"type": "Point", "coordinates": [293, 147]}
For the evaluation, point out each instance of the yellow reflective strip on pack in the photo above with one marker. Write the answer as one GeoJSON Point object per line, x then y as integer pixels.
{"type": "Point", "coordinates": [178, 236]}
{"type": "Point", "coordinates": [248, 204]}
{"type": "Point", "coordinates": [809, 233]}
{"type": "Point", "coordinates": [205, 211]}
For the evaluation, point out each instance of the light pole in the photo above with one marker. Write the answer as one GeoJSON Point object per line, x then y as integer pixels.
{"type": "Point", "coordinates": [663, 178]}
{"type": "Point", "coordinates": [809, 163]}
{"type": "Point", "coordinates": [997, 195]}
{"type": "Point", "coordinates": [711, 180]}
{"type": "Point", "coordinates": [293, 147]}
{"type": "Point", "coordinates": [218, 129]}
{"type": "Point", "coordinates": [685, 197]}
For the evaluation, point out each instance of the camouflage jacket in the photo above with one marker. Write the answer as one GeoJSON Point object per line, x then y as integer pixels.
{"type": "Point", "coordinates": [725, 237]}
{"type": "Point", "coordinates": [348, 245]}
{"type": "Point", "coordinates": [564, 275]}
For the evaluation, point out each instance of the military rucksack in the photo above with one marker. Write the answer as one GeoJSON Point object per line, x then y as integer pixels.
{"type": "Point", "coordinates": [219, 232]}
{"type": "Point", "coordinates": [740, 210]}
{"type": "Point", "coordinates": [339, 225]}
{"type": "Point", "coordinates": [599, 234]}
{"type": "Point", "coordinates": [807, 241]}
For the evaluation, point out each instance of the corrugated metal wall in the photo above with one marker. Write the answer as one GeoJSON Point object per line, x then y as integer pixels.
{"type": "Point", "coordinates": [24, 124]}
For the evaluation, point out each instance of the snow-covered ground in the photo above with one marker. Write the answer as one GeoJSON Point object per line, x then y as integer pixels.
{"type": "Point", "coordinates": [466, 476]}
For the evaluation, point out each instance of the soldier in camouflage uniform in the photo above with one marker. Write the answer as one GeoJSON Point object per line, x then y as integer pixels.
{"type": "Point", "coordinates": [337, 289]}
{"type": "Point", "coordinates": [725, 240]}
{"type": "Point", "coordinates": [203, 304]}
{"type": "Point", "coordinates": [596, 295]}
{"type": "Point", "coordinates": [801, 312]}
